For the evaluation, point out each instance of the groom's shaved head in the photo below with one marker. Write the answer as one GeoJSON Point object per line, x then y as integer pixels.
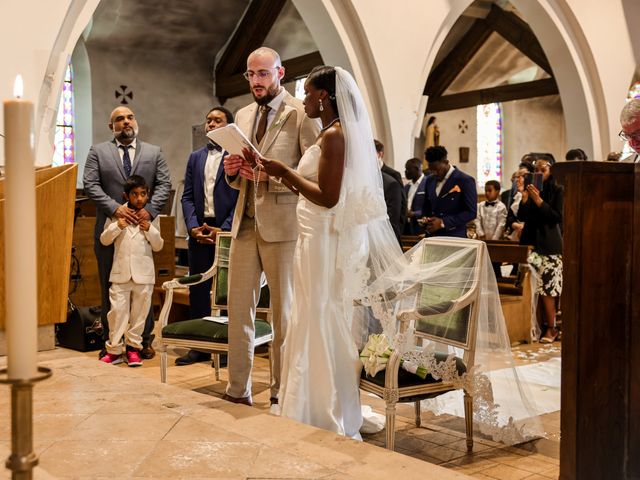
{"type": "Point", "coordinates": [268, 52]}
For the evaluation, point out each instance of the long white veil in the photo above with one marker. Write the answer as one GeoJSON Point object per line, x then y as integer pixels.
{"type": "Point", "coordinates": [375, 272]}
{"type": "Point", "coordinates": [367, 244]}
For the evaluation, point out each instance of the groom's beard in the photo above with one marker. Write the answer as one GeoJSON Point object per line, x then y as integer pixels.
{"type": "Point", "coordinates": [272, 92]}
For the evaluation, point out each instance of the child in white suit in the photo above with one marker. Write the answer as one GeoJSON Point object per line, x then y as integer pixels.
{"type": "Point", "coordinates": [132, 276]}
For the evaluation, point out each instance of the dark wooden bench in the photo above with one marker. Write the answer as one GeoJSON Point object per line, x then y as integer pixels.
{"type": "Point", "coordinates": [515, 292]}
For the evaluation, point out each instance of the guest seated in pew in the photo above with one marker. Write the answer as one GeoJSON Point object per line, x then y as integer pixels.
{"type": "Point", "coordinates": [541, 212]}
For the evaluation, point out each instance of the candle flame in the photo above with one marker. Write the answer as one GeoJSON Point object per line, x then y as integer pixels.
{"type": "Point", "coordinates": [18, 87]}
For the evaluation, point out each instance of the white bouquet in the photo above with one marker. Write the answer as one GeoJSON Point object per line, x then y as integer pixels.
{"type": "Point", "coordinates": [376, 353]}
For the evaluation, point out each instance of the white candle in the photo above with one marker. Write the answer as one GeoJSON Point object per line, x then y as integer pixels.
{"type": "Point", "coordinates": [21, 286]}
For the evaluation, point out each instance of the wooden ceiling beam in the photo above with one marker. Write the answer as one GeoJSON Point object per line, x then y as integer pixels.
{"type": "Point", "coordinates": [257, 21]}
{"type": "Point", "coordinates": [519, 34]}
{"type": "Point", "coordinates": [234, 85]}
{"type": "Point", "coordinates": [450, 67]}
{"type": "Point", "coordinates": [503, 93]}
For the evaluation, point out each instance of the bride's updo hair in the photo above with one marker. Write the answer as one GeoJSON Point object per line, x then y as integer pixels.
{"type": "Point", "coordinates": [323, 77]}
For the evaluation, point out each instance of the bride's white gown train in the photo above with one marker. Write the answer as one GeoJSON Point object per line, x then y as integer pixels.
{"type": "Point", "coordinates": [321, 365]}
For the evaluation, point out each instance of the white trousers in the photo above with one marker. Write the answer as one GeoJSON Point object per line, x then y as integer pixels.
{"type": "Point", "coordinates": [130, 303]}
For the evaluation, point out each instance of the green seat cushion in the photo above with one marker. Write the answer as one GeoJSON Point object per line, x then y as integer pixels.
{"type": "Point", "coordinates": [407, 379]}
{"type": "Point", "coordinates": [207, 331]}
{"type": "Point", "coordinates": [222, 287]}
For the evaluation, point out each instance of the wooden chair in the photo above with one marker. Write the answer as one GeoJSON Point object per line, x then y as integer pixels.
{"type": "Point", "coordinates": [206, 335]}
{"type": "Point", "coordinates": [447, 315]}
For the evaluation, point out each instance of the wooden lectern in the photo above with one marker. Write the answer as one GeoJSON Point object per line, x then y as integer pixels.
{"type": "Point", "coordinates": [600, 415]}
{"type": "Point", "coordinates": [55, 197]}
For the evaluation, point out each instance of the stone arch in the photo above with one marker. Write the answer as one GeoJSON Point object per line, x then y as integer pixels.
{"type": "Point", "coordinates": [572, 61]}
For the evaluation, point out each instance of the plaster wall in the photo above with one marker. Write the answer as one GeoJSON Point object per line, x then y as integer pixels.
{"type": "Point", "coordinates": [170, 94]}
{"type": "Point", "coordinates": [532, 125]}
{"type": "Point", "coordinates": [458, 128]}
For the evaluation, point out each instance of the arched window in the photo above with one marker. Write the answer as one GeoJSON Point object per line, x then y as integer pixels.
{"type": "Point", "coordinates": [299, 92]}
{"type": "Point", "coordinates": [489, 143]}
{"type": "Point", "coordinates": [64, 136]}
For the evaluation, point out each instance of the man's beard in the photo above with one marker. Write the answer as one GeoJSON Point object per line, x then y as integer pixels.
{"type": "Point", "coordinates": [272, 92]}
{"type": "Point", "coordinates": [123, 135]}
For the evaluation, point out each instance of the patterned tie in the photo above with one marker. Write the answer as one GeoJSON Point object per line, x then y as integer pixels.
{"type": "Point", "coordinates": [262, 123]}
{"type": "Point", "coordinates": [126, 160]}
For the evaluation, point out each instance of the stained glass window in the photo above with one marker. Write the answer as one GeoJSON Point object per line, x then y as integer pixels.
{"type": "Point", "coordinates": [64, 136]}
{"type": "Point", "coordinates": [489, 143]}
{"type": "Point", "coordinates": [299, 93]}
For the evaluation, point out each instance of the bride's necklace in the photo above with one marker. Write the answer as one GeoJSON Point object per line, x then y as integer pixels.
{"type": "Point", "coordinates": [337, 119]}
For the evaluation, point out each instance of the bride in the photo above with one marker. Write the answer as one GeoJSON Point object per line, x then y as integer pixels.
{"type": "Point", "coordinates": [344, 239]}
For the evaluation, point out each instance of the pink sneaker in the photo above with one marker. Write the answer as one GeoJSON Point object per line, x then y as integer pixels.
{"type": "Point", "coordinates": [111, 358]}
{"type": "Point", "coordinates": [133, 358]}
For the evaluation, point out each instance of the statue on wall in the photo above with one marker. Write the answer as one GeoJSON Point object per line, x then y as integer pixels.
{"type": "Point", "coordinates": [432, 137]}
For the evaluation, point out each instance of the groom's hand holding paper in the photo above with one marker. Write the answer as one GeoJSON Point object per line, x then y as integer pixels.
{"type": "Point", "coordinates": [231, 139]}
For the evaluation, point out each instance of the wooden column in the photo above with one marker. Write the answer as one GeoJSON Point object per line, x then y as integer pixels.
{"type": "Point", "coordinates": [600, 404]}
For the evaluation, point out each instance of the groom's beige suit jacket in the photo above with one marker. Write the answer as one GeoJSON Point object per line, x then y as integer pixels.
{"type": "Point", "coordinates": [291, 132]}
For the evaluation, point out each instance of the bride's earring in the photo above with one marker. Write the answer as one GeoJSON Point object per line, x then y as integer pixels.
{"type": "Point", "coordinates": [321, 106]}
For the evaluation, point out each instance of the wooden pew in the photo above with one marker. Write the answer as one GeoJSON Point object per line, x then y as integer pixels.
{"type": "Point", "coordinates": [515, 292]}
{"type": "Point", "coordinates": [409, 241]}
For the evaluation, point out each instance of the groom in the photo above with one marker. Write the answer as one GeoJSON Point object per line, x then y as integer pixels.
{"type": "Point", "coordinates": [264, 225]}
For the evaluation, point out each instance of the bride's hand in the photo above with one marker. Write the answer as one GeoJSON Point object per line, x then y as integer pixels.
{"type": "Point", "coordinates": [274, 168]}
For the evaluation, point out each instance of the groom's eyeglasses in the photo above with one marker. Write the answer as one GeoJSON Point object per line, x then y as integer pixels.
{"type": "Point", "coordinates": [261, 74]}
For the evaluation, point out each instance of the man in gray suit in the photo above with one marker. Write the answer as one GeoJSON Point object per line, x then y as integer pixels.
{"type": "Point", "coordinates": [264, 226]}
{"type": "Point", "coordinates": [108, 166]}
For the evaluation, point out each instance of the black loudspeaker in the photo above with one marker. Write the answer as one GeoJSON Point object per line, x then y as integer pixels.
{"type": "Point", "coordinates": [83, 330]}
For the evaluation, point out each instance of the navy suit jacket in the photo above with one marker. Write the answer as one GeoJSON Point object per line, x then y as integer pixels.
{"type": "Point", "coordinates": [224, 197]}
{"type": "Point", "coordinates": [456, 205]}
{"type": "Point", "coordinates": [412, 227]}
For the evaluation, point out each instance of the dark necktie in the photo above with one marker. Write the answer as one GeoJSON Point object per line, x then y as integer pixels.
{"type": "Point", "coordinates": [490, 204]}
{"type": "Point", "coordinates": [126, 160]}
{"type": "Point", "coordinates": [262, 122]}
{"type": "Point", "coordinates": [213, 147]}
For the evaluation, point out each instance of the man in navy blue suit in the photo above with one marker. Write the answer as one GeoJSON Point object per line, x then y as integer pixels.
{"type": "Point", "coordinates": [451, 199]}
{"type": "Point", "coordinates": [415, 195]}
{"type": "Point", "coordinates": [208, 204]}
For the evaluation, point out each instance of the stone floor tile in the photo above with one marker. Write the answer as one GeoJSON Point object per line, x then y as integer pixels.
{"type": "Point", "coordinates": [118, 426]}
{"type": "Point", "coordinates": [505, 472]}
{"type": "Point", "coordinates": [170, 459]}
{"type": "Point", "coordinates": [95, 457]}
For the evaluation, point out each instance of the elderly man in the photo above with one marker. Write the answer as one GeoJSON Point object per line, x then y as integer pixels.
{"type": "Point", "coordinates": [264, 226]}
{"type": "Point", "coordinates": [108, 166]}
{"type": "Point", "coordinates": [630, 121]}
{"type": "Point", "coordinates": [451, 197]}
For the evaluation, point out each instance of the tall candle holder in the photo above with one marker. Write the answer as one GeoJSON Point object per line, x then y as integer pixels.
{"type": "Point", "coordinates": [21, 292]}
{"type": "Point", "coordinates": [22, 459]}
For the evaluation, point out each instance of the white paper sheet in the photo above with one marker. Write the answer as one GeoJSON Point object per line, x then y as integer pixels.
{"type": "Point", "coordinates": [231, 139]}
{"type": "Point", "coordinates": [223, 320]}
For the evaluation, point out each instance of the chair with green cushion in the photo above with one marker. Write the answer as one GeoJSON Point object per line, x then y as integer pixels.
{"type": "Point", "coordinates": [205, 334]}
{"type": "Point", "coordinates": [443, 313]}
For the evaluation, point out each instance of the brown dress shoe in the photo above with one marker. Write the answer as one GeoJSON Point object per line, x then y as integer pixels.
{"type": "Point", "coordinates": [243, 400]}
{"type": "Point", "coordinates": [147, 352]}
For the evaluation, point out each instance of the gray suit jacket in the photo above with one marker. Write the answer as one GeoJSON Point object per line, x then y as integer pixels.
{"type": "Point", "coordinates": [291, 132]}
{"type": "Point", "coordinates": [104, 179]}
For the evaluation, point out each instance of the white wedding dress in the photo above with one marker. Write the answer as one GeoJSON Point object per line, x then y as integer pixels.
{"type": "Point", "coordinates": [321, 365]}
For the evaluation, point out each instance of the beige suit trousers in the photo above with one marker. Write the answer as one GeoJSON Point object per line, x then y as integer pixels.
{"type": "Point", "coordinates": [250, 255]}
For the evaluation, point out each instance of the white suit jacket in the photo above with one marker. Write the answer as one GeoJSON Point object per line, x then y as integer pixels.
{"type": "Point", "coordinates": [133, 257]}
